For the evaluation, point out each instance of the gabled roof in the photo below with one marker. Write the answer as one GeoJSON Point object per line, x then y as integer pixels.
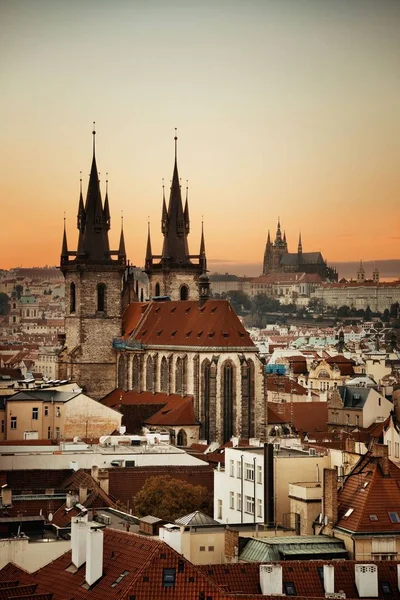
{"type": "Point", "coordinates": [186, 323]}
{"type": "Point", "coordinates": [178, 411]}
{"type": "Point", "coordinates": [353, 397]}
{"type": "Point", "coordinates": [368, 492]}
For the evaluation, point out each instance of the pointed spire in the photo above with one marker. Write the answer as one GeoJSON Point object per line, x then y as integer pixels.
{"type": "Point", "coordinates": [187, 221]}
{"type": "Point", "coordinates": [164, 216]}
{"type": "Point", "coordinates": [64, 248]}
{"type": "Point", "coordinates": [278, 238]}
{"type": "Point", "coordinates": [284, 236]}
{"type": "Point", "coordinates": [203, 258]}
{"type": "Point", "coordinates": [300, 246]}
{"type": "Point", "coordinates": [149, 254]}
{"type": "Point", "coordinates": [269, 239]}
{"type": "Point", "coordinates": [175, 247]}
{"type": "Point", "coordinates": [81, 209]}
{"type": "Point", "coordinates": [93, 241]}
{"type": "Point", "coordinates": [121, 249]}
{"type": "Point", "coordinates": [107, 216]}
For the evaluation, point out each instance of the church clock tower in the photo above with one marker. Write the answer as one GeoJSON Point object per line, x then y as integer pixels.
{"type": "Point", "coordinates": [93, 276]}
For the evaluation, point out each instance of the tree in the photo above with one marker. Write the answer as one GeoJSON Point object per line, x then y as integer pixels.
{"type": "Point", "coordinates": [343, 311]}
{"type": "Point", "coordinates": [240, 301]}
{"type": "Point", "coordinates": [168, 498]}
{"type": "Point", "coordinates": [4, 304]}
{"type": "Point", "coordinates": [368, 313]}
{"type": "Point", "coordinates": [19, 290]}
{"type": "Point", "coordinates": [316, 305]}
{"type": "Point", "coordinates": [263, 304]}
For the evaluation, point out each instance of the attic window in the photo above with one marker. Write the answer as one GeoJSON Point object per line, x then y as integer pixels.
{"type": "Point", "coordinates": [386, 588]}
{"type": "Point", "coordinates": [200, 333]}
{"type": "Point", "coordinates": [241, 333]}
{"type": "Point", "coordinates": [348, 513]}
{"type": "Point", "coordinates": [159, 332]}
{"type": "Point", "coordinates": [157, 309]}
{"type": "Point", "coordinates": [189, 333]}
{"type": "Point", "coordinates": [373, 517]}
{"type": "Point", "coordinates": [173, 333]}
{"type": "Point", "coordinates": [214, 309]}
{"type": "Point", "coordinates": [211, 334]}
{"type": "Point", "coordinates": [394, 517]}
{"type": "Point", "coordinates": [173, 309]}
{"type": "Point", "coordinates": [202, 309]}
{"type": "Point", "coordinates": [366, 484]}
{"type": "Point", "coordinates": [289, 588]}
{"type": "Point", "coordinates": [225, 334]}
{"type": "Point", "coordinates": [119, 579]}
{"type": "Point", "coordinates": [187, 310]}
{"type": "Point", "coordinates": [168, 577]}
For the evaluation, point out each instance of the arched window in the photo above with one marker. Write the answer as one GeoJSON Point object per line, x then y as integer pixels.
{"type": "Point", "coordinates": [206, 368]}
{"type": "Point", "coordinates": [181, 438]}
{"type": "Point", "coordinates": [121, 373]}
{"type": "Point", "coordinates": [247, 374]}
{"type": "Point", "coordinates": [178, 376]}
{"type": "Point", "coordinates": [157, 290]}
{"type": "Point", "coordinates": [228, 397]}
{"type": "Point", "coordinates": [164, 375]}
{"type": "Point", "coordinates": [72, 298]}
{"type": "Point", "coordinates": [136, 373]}
{"type": "Point", "coordinates": [184, 292]}
{"type": "Point", "coordinates": [101, 297]}
{"type": "Point", "coordinates": [150, 374]}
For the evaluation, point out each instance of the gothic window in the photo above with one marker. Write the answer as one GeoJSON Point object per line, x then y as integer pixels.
{"type": "Point", "coordinates": [72, 298]}
{"type": "Point", "coordinates": [164, 375]}
{"type": "Point", "coordinates": [101, 297]}
{"type": "Point", "coordinates": [228, 397]}
{"type": "Point", "coordinates": [150, 374]}
{"type": "Point", "coordinates": [184, 292]}
{"type": "Point", "coordinates": [121, 373]}
{"type": "Point", "coordinates": [136, 374]}
{"type": "Point", "coordinates": [248, 421]}
{"type": "Point", "coordinates": [178, 376]}
{"type": "Point", "coordinates": [206, 368]}
{"type": "Point", "coordinates": [181, 438]}
{"type": "Point", "coordinates": [157, 290]}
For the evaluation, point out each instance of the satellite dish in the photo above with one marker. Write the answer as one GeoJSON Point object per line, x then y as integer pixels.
{"type": "Point", "coordinates": [50, 517]}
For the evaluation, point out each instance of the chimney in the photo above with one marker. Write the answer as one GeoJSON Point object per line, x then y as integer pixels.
{"type": "Point", "coordinates": [271, 580]}
{"type": "Point", "coordinates": [94, 555]}
{"type": "Point", "coordinates": [82, 495]}
{"type": "Point", "coordinates": [102, 478]}
{"type": "Point", "coordinates": [381, 451]}
{"type": "Point", "coordinates": [95, 472]}
{"type": "Point", "coordinates": [330, 499]}
{"type": "Point", "coordinates": [78, 541]}
{"type": "Point", "coordinates": [231, 543]}
{"type": "Point", "coordinates": [71, 499]}
{"type": "Point", "coordinates": [6, 495]}
{"type": "Point", "coordinates": [329, 579]}
{"type": "Point", "coordinates": [366, 577]}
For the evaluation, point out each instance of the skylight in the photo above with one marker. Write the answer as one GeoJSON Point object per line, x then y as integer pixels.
{"type": "Point", "coordinates": [394, 517]}
{"type": "Point", "coordinates": [348, 513]}
{"type": "Point", "coordinates": [373, 517]}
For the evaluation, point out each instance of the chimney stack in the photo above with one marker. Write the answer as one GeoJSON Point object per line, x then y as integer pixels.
{"type": "Point", "coordinates": [381, 451]}
{"type": "Point", "coordinates": [329, 579]}
{"type": "Point", "coordinates": [271, 580]}
{"type": "Point", "coordinates": [366, 577]}
{"type": "Point", "coordinates": [94, 555]}
{"type": "Point", "coordinates": [82, 494]}
{"type": "Point", "coordinates": [330, 496]}
{"type": "Point", "coordinates": [95, 472]}
{"type": "Point", "coordinates": [78, 541]}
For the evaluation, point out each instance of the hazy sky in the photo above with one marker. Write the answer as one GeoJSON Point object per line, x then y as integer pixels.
{"type": "Point", "coordinates": [283, 107]}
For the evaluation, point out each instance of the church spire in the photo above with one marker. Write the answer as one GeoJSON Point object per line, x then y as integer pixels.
{"type": "Point", "coordinates": [107, 216]}
{"type": "Point", "coordinates": [203, 258]}
{"type": "Point", "coordinates": [164, 216]}
{"type": "Point", "coordinates": [149, 254]}
{"type": "Point", "coordinates": [278, 238]}
{"type": "Point", "coordinates": [64, 248]}
{"type": "Point", "coordinates": [93, 244]}
{"type": "Point", "coordinates": [187, 221]}
{"type": "Point", "coordinates": [81, 209]}
{"type": "Point", "coordinates": [175, 247]}
{"type": "Point", "coordinates": [269, 239]}
{"type": "Point", "coordinates": [300, 246]}
{"type": "Point", "coordinates": [121, 249]}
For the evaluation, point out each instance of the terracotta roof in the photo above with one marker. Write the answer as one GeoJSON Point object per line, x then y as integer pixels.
{"type": "Point", "coordinates": [368, 492]}
{"type": "Point", "coordinates": [307, 416]}
{"type": "Point", "coordinates": [131, 317]}
{"type": "Point", "coordinates": [273, 418]}
{"type": "Point", "coordinates": [280, 383]}
{"type": "Point", "coordinates": [185, 323]}
{"type": "Point", "coordinates": [243, 578]}
{"type": "Point", "coordinates": [119, 397]}
{"type": "Point", "coordinates": [178, 411]}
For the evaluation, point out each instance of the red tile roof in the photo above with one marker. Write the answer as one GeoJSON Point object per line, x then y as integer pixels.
{"type": "Point", "coordinates": [178, 411]}
{"type": "Point", "coordinates": [280, 383]}
{"type": "Point", "coordinates": [307, 416]}
{"type": "Point", "coordinates": [131, 317]}
{"type": "Point", "coordinates": [186, 323]}
{"type": "Point", "coordinates": [368, 492]}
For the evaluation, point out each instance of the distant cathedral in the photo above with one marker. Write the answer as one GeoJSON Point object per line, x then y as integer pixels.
{"type": "Point", "coordinates": [278, 259]}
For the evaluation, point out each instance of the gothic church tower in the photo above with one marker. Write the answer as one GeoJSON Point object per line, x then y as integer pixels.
{"type": "Point", "coordinates": [93, 275]}
{"type": "Point", "coordinates": [175, 273]}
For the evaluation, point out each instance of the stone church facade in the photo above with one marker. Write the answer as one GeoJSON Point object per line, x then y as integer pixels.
{"type": "Point", "coordinates": [181, 342]}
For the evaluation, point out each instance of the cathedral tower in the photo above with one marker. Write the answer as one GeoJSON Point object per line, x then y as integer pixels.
{"type": "Point", "coordinates": [93, 275]}
{"type": "Point", "coordinates": [175, 273]}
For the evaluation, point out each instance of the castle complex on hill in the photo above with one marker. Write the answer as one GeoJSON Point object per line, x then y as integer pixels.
{"type": "Point", "coordinates": [278, 259]}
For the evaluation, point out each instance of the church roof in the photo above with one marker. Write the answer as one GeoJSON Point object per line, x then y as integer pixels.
{"type": "Point", "coordinates": [178, 411]}
{"type": "Point", "coordinates": [306, 258]}
{"type": "Point", "coordinates": [186, 323]}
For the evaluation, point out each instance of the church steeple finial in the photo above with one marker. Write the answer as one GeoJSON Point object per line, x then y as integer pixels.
{"type": "Point", "coordinates": [278, 238]}
{"type": "Point", "coordinates": [300, 246]}
{"type": "Point", "coordinates": [149, 254]}
{"type": "Point", "coordinates": [176, 145]}
{"type": "Point", "coordinates": [187, 221]}
{"type": "Point", "coordinates": [121, 249]}
{"type": "Point", "coordinates": [64, 248]}
{"type": "Point", "coordinates": [94, 138]}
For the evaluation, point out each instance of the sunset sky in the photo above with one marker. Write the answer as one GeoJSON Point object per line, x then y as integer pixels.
{"type": "Point", "coordinates": [285, 108]}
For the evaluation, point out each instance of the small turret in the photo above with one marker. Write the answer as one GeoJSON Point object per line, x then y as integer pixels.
{"type": "Point", "coordinates": [149, 254]}
{"type": "Point", "coordinates": [300, 246]}
{"type": "Point", "coordinates": [107, 216]}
